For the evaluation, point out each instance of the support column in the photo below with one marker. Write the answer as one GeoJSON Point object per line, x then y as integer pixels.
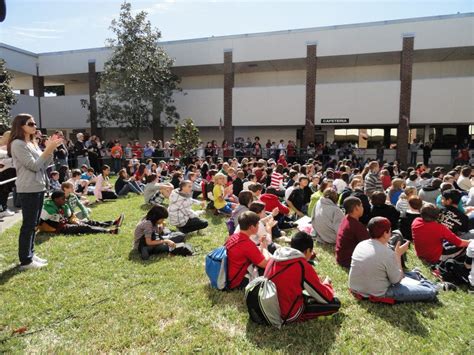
{"type": "Point", "coordinates": [93, 87]}
{"type": "Point", "coordinates": [38, 91]}
{"type": "Point", "coordinates": [426, 137]}
{"type": "Point", "coordinates": [406, 69]}
{"type": "Point", "coordinates": [311, 66]}
{"type": "Point", "coordinates": [228, 86]}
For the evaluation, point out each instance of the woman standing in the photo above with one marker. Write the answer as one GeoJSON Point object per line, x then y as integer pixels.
{"type": "Point", "coordinates": [31, 183]}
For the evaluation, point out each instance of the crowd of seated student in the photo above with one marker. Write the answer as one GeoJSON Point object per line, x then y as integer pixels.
{"type": "Point", "coordinates": [355, 209]}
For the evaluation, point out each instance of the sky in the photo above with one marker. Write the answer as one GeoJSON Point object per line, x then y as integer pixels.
{"type": "Point", "coordinates": [45, 25]}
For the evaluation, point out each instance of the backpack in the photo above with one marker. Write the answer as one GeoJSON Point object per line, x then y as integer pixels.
{"type": "Point", "coordinates": [261, 297]}
{"type": "Point", "coordinates": [216, 268]}
{"type": "Point", "coordinates": [453, 271]}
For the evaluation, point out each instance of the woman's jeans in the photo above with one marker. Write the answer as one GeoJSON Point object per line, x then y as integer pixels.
{"type": "Point", "coordinates": [32, 203]}
{"type": "Point", "coordinates": [413, 288]}
{"type": "Point", "coordinates": [131, 186]}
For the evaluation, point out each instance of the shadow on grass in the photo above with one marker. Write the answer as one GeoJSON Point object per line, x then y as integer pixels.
{"type": "Point", "coordinates": [293, 338]}
{"type": "Point", "coordinates": [135, 257]}
{"type": "Point", "coordinates": [42, 237]}
{"type": "Point", "coordinates": [6, 275]}
{"type": "Point", "coordinates": [226, 298]}
{"type": "Point", "coordinates": [145, 207]}
{"type": "Point", "coordinates": [405, 316]}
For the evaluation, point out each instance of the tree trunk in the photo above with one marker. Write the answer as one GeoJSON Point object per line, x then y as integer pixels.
{"type": "Point", "coordinates": [158, 129]}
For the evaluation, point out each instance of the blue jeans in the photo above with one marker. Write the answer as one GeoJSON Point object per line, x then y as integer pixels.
{"type": "Point", "coordinates": [117, 164]}
{"type": "Point", "coordinates": [31, 205]}
{"type": "Point", "coordinates": [412, 288]}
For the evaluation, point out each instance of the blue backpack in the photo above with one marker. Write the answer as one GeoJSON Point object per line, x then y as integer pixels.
{"type": "Point", "coordinates": [216, 268]}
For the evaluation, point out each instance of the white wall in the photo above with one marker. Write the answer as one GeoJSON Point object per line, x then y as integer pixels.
{"type": "Point", "coordinates": [204, 106]}
{"type": "Point", "coordinates": [18, 60]}
{"type": "Point", "coordinates": [333, 40]}
{"type": "Point", "coordinates": [25, 104]}
{"type": "Point", "coordinates": [443, 100]}
{"type": "Point", "coordinates": [363, 103]}
{"type": "Point", "coordinates": [64, 112]}
{"type": "Point", "coordinates": [72, 62]}
{"type": "Point", "coordinates": [444, 69]}
{"type": "Point", "coordinates": [273, 105]}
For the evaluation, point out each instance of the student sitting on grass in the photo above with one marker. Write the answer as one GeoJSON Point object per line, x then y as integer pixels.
{"type": "Point", "coordinates": [271, 201]}
{"type": "Point", "coordinates": [151, 237]}
{"type": "Point", "coordinates": [301, 294]}
{"type": "Point", "coordinates": [243, 253]}
{"type": "Point", "coordinates": [155, 192]}
{"type": "Point", "coordinates": [451, 217]}
{"type": "Point", "coordinates": [327, 217]}
{"type": "Point", "coordinates": [220, 192]}
{"type": "Point", "coordinates": [413, 212]}
{"type": "Point", "coordinates": [180, 212]}
{"type": "Point", "coordinates": [429, 236]}
{"type": "Point", "coordinates": [54, 183]}
{"type": "Point", "coordinates": [380, 208]}
{"type": "Point", "coordinates": [263, 237]}
{"type": "Point", "coordinates": [351, 232]}
{"type": "Point", "coordinates": [80, 186]}
{"type": "Point", "coordinates": [245, 199]}
{"type": "Point", "coordinates": [73, 201]}
{"type": "Point", "coordinates": [103, 188]}
{"type": "Point", "coordinates": [124, 184]}
{"type": "Point", "coordinates": [56, 217]}
{"type": "Point", "coordinates": [376, 269]}
{"type": "Point", "coordinates": [300, 197]}
{"type": "Point", "coordinates": [89, 175]}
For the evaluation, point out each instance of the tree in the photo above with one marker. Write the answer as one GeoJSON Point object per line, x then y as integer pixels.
{"type": "Point", "coordinates": [137, 85]}
{"type": "Point", "coordinates": [186, 136]}
{"type": "Point", "coordinates": [7, 97]}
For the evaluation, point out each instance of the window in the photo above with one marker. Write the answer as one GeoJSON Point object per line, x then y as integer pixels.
{"type": "Point", "coordinates": [416, 133]}
{"type": "Point", "coordinates": [375, 137]}
{"type": "Point", "coordinates": [342, 136]}
{"type": "Point", "coordinates": [471, 130]}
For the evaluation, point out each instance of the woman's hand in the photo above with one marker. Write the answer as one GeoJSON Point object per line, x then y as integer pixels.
{"type": "Point", "coordinates": [52, 143]}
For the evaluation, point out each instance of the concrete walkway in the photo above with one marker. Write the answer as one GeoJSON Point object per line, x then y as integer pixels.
{"type": "Point", "coordinates": [7, 222]}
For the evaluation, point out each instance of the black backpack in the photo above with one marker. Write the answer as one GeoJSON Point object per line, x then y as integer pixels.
{"type": "Point", "coordinates": [453, 271]}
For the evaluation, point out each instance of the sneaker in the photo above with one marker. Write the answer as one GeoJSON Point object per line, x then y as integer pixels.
{"type": "Point", "coordinates": [118, 222]}
{"type": "Point", "coordinates": [114, 231]}
{"type": "Point", "coordinates": [32, 265]}
{"type": "Point", "coordinates": [448, 286]}
{"type": "Point", "coordinates": [39, 260]}
{"type": "Point", "coordinates": [6, 213]}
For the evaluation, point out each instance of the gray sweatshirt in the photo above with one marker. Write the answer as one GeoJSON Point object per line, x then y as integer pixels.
{"type": "Point", "coordinates": [30, 167]}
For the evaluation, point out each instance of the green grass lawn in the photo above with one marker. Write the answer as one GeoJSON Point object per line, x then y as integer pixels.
{"type": "Point", "coordinates": [97, 296]}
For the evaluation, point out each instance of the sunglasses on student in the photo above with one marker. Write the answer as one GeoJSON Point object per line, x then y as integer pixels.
{"type": "Point", "coordinates": [31, 124]}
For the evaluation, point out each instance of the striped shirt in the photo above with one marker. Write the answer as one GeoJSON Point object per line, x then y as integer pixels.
{"type": "Point", "coordinates": [277, 180]}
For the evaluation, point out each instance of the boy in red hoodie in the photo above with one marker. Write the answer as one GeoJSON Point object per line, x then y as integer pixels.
{"type": "Point", "coordinates": [293, 275]}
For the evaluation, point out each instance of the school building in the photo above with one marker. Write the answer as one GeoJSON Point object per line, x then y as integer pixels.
{"type": "Point", "coordinates": [390, 81]}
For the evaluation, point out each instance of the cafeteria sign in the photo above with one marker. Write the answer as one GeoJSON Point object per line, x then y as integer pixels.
{"type": "Point", "coordinates": [334, 120]}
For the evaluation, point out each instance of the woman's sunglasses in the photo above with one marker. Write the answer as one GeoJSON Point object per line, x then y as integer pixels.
{"type": "Point", "coordinates": [31, 124]}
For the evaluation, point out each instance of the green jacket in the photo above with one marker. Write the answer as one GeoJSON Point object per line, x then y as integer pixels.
{"type": "Point", "coordinates": [54, 214]}
{"type": "Point", "coordinates": [73, 202]}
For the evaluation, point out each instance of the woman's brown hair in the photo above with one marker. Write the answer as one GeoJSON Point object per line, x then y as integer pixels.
{"type": "Point", "coordinates": [17, 130]}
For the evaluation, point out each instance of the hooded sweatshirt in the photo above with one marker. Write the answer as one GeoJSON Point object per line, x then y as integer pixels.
{"type": "Point", "coordinates": [429, 194]}
{"type": "Point", "coordinates": [326, 219]}
{"type": "Point", "coordinates": [298, 276]}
